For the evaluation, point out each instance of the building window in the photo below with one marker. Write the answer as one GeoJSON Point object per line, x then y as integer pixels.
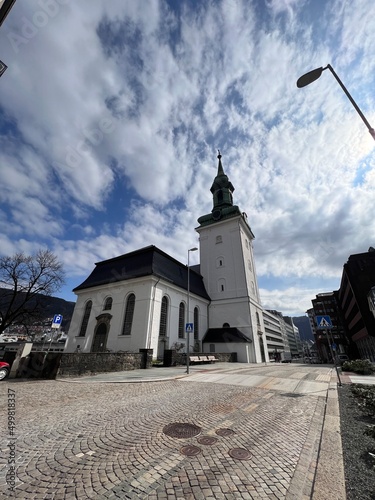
{"type": "Point", "coordinates": [212, 347]}
{"type": "Point", "coordinates": [249, 265]}
{"type": "Point", "coordinates": [85, 319]}
{"type": "Point", "coordinates": [226, 325]}
{"type": "Point", "coordinates": [163, 317]}
{"type": "Point", "coordinates": [129, 313]}
{"type": "Point", "coordinates": [196, 323]}
{"type": "Point", "coordinates": [219, 239]}
{"type": "Point", "coordinates": [220, 262]}
{"type": "Point", "coordinates": [221, 284]}
{"type": "Point", "coordinates": [258, 319]}
{"type": "Point", "coordinates": [181, 321]}
{"type": "Point", "coordinates": [108, 304]}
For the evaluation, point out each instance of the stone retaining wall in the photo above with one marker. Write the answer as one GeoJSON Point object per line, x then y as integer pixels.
{"type": "Point", "coordinates": [82, 363]}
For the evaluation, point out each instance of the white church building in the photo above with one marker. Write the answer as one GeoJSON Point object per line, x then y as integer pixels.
{"type": "Point", "coordinates": [139, 300]}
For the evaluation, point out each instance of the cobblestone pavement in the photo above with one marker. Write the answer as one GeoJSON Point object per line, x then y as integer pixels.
{"type": "Point", "coordinates": [106, 441]}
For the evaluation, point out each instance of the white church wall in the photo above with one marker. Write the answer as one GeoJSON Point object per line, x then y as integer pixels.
{"type": "Point", "coordinates": [146, 320]}
{"type": "Point", "coordinates": [244, 350]}
{"type": "Point", "coordinates": [119, 293]}
{"type": "Point", "coordinates": [176, 296]}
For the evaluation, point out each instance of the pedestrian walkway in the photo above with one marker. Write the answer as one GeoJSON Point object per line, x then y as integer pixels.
{"type": "Point", "coordinates": [224, 431]}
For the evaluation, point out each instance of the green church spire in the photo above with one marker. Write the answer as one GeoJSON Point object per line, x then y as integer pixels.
{"type": "Point", "coordinates": [222, 191]}
{"type": "Point", "coordinates": [222, 188]}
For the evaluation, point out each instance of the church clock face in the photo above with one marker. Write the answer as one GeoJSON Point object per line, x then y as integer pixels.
{"type": "Point", "coordinates": [216, 214]}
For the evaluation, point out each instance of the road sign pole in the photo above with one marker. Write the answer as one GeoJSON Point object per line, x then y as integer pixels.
{"type": "Point", "coordinates": [334, 359]}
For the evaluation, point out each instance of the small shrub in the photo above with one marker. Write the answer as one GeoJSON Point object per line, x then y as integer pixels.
{"type": "Point", "coordinates": [370, 431]}
{"type": "Point", "coordinates": [361, 366]}
{"type": "Point", "coordinates": [365, 395]}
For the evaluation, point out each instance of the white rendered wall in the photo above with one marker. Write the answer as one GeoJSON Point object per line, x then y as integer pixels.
{"type": "Point", "coordinates": [146, 321]}
{"type": "Point", "coordinates": [228, 270]}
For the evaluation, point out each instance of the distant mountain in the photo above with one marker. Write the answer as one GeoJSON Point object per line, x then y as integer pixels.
{"type": "Point", "coordinates": [303, 325]}
{"type": "Point", "coordinates": [55, 305]}
{"type": "Point", "coordinates": [50, 307]}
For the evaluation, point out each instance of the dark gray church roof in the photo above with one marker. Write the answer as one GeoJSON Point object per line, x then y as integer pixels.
{"type": "Point", "coordinates": [148, 261]}
{"type": "Point", "coordinates": [224, 335]}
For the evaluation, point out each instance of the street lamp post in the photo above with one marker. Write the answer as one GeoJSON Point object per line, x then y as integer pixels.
{"type": "Point", "coordinates": [313, 75]}
{"type": "Point", "coordinates": [194, 249]}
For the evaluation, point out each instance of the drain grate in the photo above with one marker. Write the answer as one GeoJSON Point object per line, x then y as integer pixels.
{"type": "Point", "coordinates": [181, 430]}
{"type": "Point", "coordinates": [292, 395]}
{"type": "Point", "coordinates": [240, 453]}
{"type": "Point", "coordinates": [190, 450]}
{"type": "Point", "coordinates": [207, 440]}
{"type": "Point", "coordinates": [224, 432]}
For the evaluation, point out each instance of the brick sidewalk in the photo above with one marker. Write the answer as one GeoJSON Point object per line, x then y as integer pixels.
{"type": "Point", "coordinates": [106, 441]}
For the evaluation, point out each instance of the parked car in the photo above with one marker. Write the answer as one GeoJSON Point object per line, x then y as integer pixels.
{"type": "Point", "coordinates": [286, 357]}
{"type": "Point", "coordinates": [4, 370]}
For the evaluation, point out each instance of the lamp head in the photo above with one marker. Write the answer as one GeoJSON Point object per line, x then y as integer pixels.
{"type": "Point", "coordinates": [309, 77]}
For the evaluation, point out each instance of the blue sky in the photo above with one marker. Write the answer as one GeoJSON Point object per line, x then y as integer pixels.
{"type": "Point", "coordinates": [111, 114]}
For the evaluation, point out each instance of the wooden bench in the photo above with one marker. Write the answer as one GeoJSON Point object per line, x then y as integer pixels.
{"type": "Point", "coordinates": [212, 359]}
{"type": "Point", "coordinates": [203, 359]}
{"type": "Point", "coordinates": [194, 359]}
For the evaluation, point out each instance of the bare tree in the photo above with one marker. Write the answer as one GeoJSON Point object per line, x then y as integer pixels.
{"type": "Point", "coordinates": [24, 282]}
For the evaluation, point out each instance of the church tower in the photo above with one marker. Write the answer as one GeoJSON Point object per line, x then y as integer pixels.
{"type": "Point", "coordinates": [228, 270]}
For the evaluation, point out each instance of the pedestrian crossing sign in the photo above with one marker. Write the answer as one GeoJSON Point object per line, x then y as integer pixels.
{"type": "Point", "coordinates": [324, 322]}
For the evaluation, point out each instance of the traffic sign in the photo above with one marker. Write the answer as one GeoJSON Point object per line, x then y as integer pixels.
{"type": "Point", "coordinates": [57, 320]}
{"type": "Point", "coordinates": [189, 327]}
{"type": "Point", "coordinates": [324, 322]}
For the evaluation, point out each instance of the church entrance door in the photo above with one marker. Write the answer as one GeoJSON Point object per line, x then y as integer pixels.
{"type": "Point", "coordinates": [99, 343]}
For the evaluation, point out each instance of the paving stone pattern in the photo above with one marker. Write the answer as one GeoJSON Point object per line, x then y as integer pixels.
{"type": "Point", "coordinates": [106, 441]}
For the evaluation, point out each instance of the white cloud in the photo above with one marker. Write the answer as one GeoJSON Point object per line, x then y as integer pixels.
{"type": "Point", "coordinates": [133, 93]}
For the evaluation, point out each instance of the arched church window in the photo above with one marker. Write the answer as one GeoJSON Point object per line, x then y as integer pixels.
{"type": "Point", "coordinates": [226, 325]}
{"type": "Point", "coordinates": [249, 265]}
{"type": "Point", "coordinates": [163, 317]}
{"type": "Point", "coordinates": [108, 304]}
{"type": "Point", "coordinates": [220, 196]}
{"type": "Point", "coordinates": [196, 323]}
{"type": "Point", "coordinates": [258, 319]}
{"type": "Point", "coordinates": [181, 321]}
{"type": "Point", "coordinates": [220, 262]}
{"type": "Point", "coordinates": [221, 284]}
{"type": "Point", "coordinates": [129, 313]}
{"type": "Point", "coordinates": [85, 319]}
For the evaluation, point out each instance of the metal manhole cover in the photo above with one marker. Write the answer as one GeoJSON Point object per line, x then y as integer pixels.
{"type": "Point", "coordinates": [224, 432]}
{"type": "Point", "coordinates": [240, 453]}
{"type": "Point", "coordinates": [208, 440]}
{"type": "Point", "coordinates": [190, 450]}
{"type": "Point", "coordinates": [181, 430]}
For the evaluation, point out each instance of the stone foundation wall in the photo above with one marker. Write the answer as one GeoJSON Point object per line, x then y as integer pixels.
{"type": "Point", "coordinates": [82, 363]}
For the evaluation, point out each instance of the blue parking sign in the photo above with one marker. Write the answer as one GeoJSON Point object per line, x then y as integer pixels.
{"type": "Point", "coordinates": [57, 320]}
